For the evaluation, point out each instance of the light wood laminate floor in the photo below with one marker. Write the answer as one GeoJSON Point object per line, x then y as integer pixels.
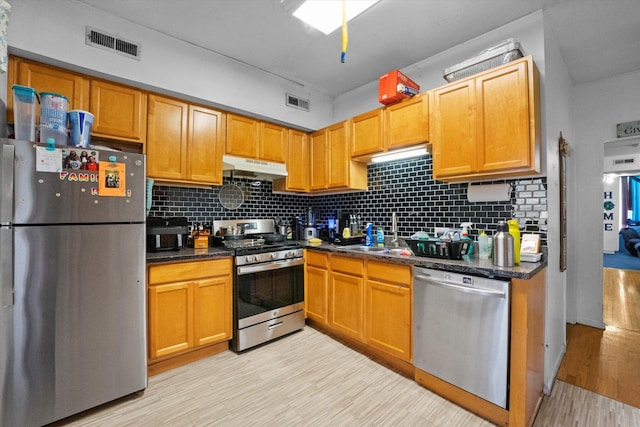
{"type": "Point", "coordinates": [608, 361]}
{"type": "Point", "coordinates": [308, 379]}
{"type": "Point", "coordinates": [621, 299]}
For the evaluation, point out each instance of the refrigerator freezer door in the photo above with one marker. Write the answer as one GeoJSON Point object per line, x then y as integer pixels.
{"type": "Point", "coordinates": [72, 196]}
{"type": "Point", "coordinates": [79, 330]}
{"type": "Point", "coordinates": [6, 184]}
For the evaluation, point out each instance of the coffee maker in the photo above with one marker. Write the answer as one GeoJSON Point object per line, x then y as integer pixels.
{"type": "Point", "coordinates": [310, 230]}
{"type": "Point", "coordinates": [343, 220]}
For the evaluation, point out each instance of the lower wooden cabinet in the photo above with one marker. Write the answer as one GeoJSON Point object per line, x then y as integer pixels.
{"type": "Point", "coordinates": [316, 286]}
{"type": "Point", "coordinates": [346, 296]}
{"type": "Point", "coordinates": [388, 315]}
{"type": "Point", "coordinates": [189, 306]}
{"type": "Point", "coordinates": [367, 301]}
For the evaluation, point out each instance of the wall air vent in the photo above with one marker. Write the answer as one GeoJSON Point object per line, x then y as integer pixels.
{"type": "Point", "coordinates": [104, 40]}
{"type": "Point", "coordinates": [622, 163]}
{"type": "Point", "coordinates": [297, 102]}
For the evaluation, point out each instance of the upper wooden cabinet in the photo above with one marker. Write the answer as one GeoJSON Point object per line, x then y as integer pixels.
{"type": "Point", "coordinates": [255, 139]}
{"type": "Point", "coordinates": [330, 163]}
{"type": "Point", "coordinates": [395, 126]}
{"type": "Point", "coordinates": [407, 122]}
{"type": "Point", "coordinates": [367, 133]}
{"type": "Point", "coordinates": [488, 125]}
{"type": "Point", "coordinates": [120, 111]}
{"type": "Point", "coordinates": [45, 78]}
{"type": "Point", "coordinates": [184, 142]}
{"type": "Point", "coordinates": [297, 179]}
{"type": "Point", "coordinates": [273, 142]}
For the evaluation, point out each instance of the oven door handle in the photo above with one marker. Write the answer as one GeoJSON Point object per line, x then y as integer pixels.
{"type": "Point", "coordinates": [274, 265]}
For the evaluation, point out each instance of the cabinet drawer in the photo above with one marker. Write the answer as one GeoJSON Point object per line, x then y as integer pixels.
{"type": "Point", "coordinates": [352, 266]}
{"type": "Point", "coordinates": [188, 270]}
{"type": "Point", "coordinates": [317, 259]}
{"type": "Point", "coordinates": [388, 272]}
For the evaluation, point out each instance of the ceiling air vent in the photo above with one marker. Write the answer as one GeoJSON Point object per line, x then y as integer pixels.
{"type": "Point", "coordinates": [297, 102]}
{"type": "Point", "coordinates": [104, 40]}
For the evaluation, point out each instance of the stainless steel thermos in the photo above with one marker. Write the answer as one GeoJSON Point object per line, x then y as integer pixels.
{"type": "Point", "coordinates": [503, 246]}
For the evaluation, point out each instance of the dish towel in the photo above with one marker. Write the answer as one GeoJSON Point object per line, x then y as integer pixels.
{"type": "Point", "coordinates": [5, 8]}
{"type": "Point", "coordinates": [149, 191]}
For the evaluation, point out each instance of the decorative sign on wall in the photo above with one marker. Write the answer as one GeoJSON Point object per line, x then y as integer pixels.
{"type": "Point", "coordinates": [611, 214]}
{"type": "Point", "coordinates": [628, 129]}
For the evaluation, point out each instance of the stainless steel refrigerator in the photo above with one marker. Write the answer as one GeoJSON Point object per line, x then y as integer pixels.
{"type": "Point", "coordinates": [72, 260]}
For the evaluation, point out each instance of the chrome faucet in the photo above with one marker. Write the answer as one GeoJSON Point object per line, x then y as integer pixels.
{"type": "Point", "coordinates": [394, 229]}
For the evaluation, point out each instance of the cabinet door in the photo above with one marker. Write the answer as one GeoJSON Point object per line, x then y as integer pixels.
{"type": "Point", "coordinates": [346, 314]}
{"type": "Point", "coordinates": [318, 164]}
{"type": "Point", "coordinates": [243, 136]}
{"type": "Point", "coordinates": [339, 159]}
{"type": "Point", "coordinates": [298, 161]}
{"type": "Point", "coordinates": [120, 111]}
{"type": "Point", "coordinates": [205, 145]}
{"type": "Point", "coordinates": [454, 130]}
{"type": "Point", "coordinates": [503, 119]}
{"type": "Point", "coordinates": [388, 325]}
{"type": "Point", "coordinates": [167, 138]}
{"type": "Point", "coordinates": [273, 142]}
{"type": "Point", "coordinates": [317, 294]}
{"type": "Point", "coordinates": [212, 310]}
{"type": "Point", "coordinates": [170, 318]}
{"type": "Point", "coordinates": [366, 133]}
{"type": "Point", "coordinates": [44, 78]}
{"type": "Point", "coordinates": [407, 122]}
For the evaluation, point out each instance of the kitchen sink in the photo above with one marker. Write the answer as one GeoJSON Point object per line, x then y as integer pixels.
{"type": "Point", "coordinates": [376, 249]}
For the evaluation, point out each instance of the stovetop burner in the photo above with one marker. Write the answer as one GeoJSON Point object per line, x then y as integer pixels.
{"type": "Point", "coordinates": [258, 237]}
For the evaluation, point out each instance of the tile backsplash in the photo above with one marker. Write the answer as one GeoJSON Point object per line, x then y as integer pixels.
{"type": "Point", "coordinates": [404, 186]}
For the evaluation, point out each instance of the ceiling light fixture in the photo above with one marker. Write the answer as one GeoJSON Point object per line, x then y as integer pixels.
{"type": "Point", "coordinates": [326, 15]}
{"type": "Point", "coordinates": [399, 154]}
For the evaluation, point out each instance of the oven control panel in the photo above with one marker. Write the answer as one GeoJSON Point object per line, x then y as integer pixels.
{"type": "Point", "coordinates": [258, 258]}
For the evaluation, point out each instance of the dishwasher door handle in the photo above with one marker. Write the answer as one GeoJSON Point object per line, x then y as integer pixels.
{"type": "Point", "coordinates": [476, 291]}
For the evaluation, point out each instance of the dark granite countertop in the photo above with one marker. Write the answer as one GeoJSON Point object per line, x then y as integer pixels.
{"type": "Point", "coordinates": [187, 254]}
{"type": "Point", "coordinates": [468, 264]}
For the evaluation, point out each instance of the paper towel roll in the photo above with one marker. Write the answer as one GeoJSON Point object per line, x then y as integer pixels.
{"type": "Point", "coordinates": [489, 192]}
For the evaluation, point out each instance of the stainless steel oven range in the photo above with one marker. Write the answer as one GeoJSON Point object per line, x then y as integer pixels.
{"type": "Point", "coordinates": [268, 284]}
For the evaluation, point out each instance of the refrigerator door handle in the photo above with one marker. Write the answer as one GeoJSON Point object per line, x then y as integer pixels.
{"type": "Point", "coordinates": [6, 266]}
{"type": "Point", "coordinates": [6, 182]}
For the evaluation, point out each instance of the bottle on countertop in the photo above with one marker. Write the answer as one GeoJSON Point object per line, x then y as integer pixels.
{"type": "Point", "coordinates": [369, 238]}
{"type": "Point", "coordinates": [503, 248]}
{"type": "Point", "coordinates": [380, 237]}
{"type": "Point", "coordinates": [483, 245]}
{"type": "Point", "coordinates": [466, 227]}
{"type": "Point", "coordinates": [514, 230]}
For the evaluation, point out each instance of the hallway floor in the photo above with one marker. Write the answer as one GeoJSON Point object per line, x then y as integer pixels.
{"type": "Point", "coordinates": [608, 361]}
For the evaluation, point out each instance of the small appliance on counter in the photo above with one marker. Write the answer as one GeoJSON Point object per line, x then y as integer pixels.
{"type": "Point", "coordinates": [167, 234]}
{"type": "Point", "coordinates": [432, 248]}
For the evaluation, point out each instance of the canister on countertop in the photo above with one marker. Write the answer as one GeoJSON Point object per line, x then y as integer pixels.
{"type": "Point", "coordinates": [503, 247]}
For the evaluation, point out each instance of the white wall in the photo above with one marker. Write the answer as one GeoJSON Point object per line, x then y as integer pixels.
{"type": "Point", "coordinates": [597, 108]}
{"type": "Point", "coordinates": [556, 111]}
{"type": "Point", "coordinates": [53, 32]}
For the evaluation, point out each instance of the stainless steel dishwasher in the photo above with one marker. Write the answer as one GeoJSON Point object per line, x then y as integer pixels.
{"type": "Point", "coordinates": [461, 331]}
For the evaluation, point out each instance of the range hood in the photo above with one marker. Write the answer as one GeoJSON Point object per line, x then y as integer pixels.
{"type": "Point", "coordinates": [261, 170]}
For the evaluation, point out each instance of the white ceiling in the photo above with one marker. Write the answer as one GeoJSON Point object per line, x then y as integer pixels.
{"type": "Point", "coordinates": [597, 38]}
